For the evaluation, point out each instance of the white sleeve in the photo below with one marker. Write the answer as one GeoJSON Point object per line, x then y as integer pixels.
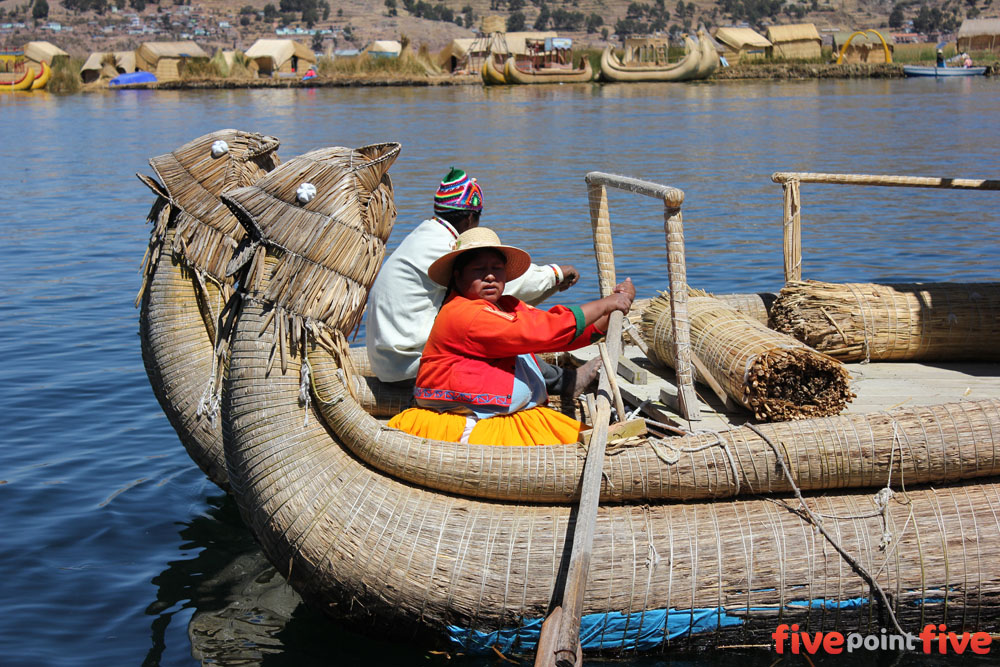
{"type": "Point", "coordinates": [537, 284]}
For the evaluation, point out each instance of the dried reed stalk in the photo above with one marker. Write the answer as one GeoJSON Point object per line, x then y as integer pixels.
{"type": "Point", "coordinates": [775, 376]}
{"type": "Point", "coordinates": [902, 322]}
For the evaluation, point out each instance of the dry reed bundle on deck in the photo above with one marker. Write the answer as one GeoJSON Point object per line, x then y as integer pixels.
{"type": "Point", "coordinates": [775, 376]}
{"type": "Point", "coordinates": [901, 322]}
{"type": "Point", "coordinates": [322, 220]}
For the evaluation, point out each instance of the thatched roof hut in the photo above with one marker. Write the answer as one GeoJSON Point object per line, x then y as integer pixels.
{"type": "Point", "coordinates": [282, 56]}
{"type": "Point", "coordinates": [164, 58]}
{"type": "Point", "coordinates": [457, 55]}
{"type": "Point", "coordinates": [863, 48]}
{"type": "Point", "coordinates": [979, 35]}
{"type": "Point", "coordinates": [742, 44]}
{"type": "Point", "coordinates": [98, 65]}
{"type": "Point", "coordinates": [798, 41]}
{"type": "Point", "coordinates": [47, 52]}
{"type": "Point", "coordinates": [383, 48]}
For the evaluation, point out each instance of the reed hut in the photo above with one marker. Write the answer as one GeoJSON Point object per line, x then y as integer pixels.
{"type": "Point", "coordinates": [902, 322]}
{"type": "Point", "coordinates": [383, 48]}
{"type": "Point", "coordinates": [742, 44]}
{"type": "Point", "coordinates": [44, 52]}
{"type": "Point", "coordinates": [107, 65]}
{"type": "Point", "coordinates": [863, 48]}
{"type": "Point", "coordinates": [979, 35]}
{"type": "Point", "coordinates": [771, 374]}
{"type": "Point", "coordinates": [468, 54]}
{"type": "Point", "coordinates": [800, 41]}
{"type": "Point", "coordinates": [165, 59]}
{"type": "Point", "coordinates": [279, 56]}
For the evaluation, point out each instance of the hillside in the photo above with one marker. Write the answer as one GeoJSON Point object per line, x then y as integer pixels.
{"type": "Point", "coordinates": [237, 23]}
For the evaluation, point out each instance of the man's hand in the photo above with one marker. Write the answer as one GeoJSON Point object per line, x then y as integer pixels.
{"type": "Point", "coordinates": [570, 276]}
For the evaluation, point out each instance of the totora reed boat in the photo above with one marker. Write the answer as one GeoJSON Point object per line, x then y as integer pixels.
{"type": "Point", "coordinates": [473, 546]}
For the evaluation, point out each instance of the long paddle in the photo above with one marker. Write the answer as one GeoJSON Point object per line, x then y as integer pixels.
{"type": "Point", "coordinates": [559, 642]}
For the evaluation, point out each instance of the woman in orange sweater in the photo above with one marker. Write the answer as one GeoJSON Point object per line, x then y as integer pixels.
{"type": "Point", "coordinates": [478, 381]}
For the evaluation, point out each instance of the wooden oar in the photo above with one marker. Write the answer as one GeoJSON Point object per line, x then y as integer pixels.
{"type": "Point", "coordinates": [564, 622]}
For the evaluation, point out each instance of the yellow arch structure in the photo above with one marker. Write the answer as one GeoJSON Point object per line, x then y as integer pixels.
{"type": "Point", "coordinates": [843, 49]}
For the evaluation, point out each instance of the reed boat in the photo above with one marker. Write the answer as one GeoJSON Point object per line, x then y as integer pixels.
{"type": "Point", "coordinates": [685, 69]}
{"type": "Point", "coordinates": [491, 73]}
{"type": "Point", "coordinates": [513, 72]}
{"type": "Point", "coordinates": [471, 545]}
{"type": "Point", "coordinates": [22, 81]}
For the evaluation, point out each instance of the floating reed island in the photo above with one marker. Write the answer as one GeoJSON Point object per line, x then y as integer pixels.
{"type": "Point", "coordinates": [704, 527]}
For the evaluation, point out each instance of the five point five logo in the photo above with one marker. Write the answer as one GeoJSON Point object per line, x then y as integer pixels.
{"type": "Point", "coordinates": [932, 639]}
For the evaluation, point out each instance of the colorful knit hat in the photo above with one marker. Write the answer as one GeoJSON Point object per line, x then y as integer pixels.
{"type": "Point", "coordinates": [458, 192]}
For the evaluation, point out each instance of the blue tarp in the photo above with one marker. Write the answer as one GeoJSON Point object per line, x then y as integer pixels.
{"type": "Point", "coordinates": [132, 77]}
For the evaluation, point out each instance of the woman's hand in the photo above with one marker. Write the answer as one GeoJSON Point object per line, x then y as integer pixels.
{"type": "Point", "coordinates": [598, 312]}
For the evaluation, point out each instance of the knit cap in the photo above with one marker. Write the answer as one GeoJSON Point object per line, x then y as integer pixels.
{"type": "Point", "coordinates": [458, 192]}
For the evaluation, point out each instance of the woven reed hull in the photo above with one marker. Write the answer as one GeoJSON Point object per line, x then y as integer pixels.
{"type": "Point", "coordinates": [709, 61]}
{"type": "Point", "coordinates": [684, 69]}
{"type": "Point", "coordinates": [178, 354]}
{"type": "Point", "coordinates": [902, 322]}
{"type": "Point", "coordinates": [492, 75]}
{"type": "Point", "coordinates": [392, 556]}
{"type": "Point", "coordinates": [512, 74]}
{"type": "Point", "coordinates": [924, 444]}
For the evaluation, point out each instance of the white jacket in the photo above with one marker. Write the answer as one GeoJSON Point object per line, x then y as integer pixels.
{"type": "Point", "coordinates": [404, 300]}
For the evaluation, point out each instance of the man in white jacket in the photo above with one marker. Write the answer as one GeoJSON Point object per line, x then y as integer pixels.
{"type": "Point", "coordinates": [404, 301]}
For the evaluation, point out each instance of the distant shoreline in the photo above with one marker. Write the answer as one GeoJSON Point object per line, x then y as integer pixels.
{"type": "Point", "coordinates": [762, 71]}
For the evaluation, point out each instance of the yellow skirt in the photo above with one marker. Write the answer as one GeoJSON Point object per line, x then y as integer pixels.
{"type": "Point", "coordinates": [534, 426]}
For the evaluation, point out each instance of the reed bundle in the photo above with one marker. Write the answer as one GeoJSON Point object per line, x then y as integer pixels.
{"type": "Point", "coordinates": [775, 376]}
{"type": "Point", "coordinates": [320, 221]}
{"type": "Point", "coordinates": [901, 322]}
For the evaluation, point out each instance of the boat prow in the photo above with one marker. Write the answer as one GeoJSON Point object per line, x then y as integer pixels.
{"type": "Point", "coordinates": [42, 79]}
{"type": "Point", "coordinates": [23, 82]}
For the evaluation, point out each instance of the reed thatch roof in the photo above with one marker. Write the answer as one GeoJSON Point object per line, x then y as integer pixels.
{"type": "Point", "coordinates": [792, 33]}
{"type": "Point", "coordinates": [153, 51]}
{"type": "Point", "coordinates": [738, 38]}
{"type": "Point", "coordinates": [976, 28]}
{"type": "Point", "coordinates": [124, 61]}
{"type": "Point", "coordinates": [280, 51]}
{"type": "Point", "coordinates": [384, 46]}
{"type": "Point", "coordinates": [43, 52]}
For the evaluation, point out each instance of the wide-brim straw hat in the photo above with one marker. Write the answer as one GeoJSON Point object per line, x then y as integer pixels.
{"type": "Point", "coordinates": [478, 238]}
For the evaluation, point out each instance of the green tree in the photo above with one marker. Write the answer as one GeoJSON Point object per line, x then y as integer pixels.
{"type": "Point", "coordinates": [391, 6]}
{"type": "Point", "coordinates": [515, 22]}
{"type": "Point", "coordinates": [542, 22]}
{"type": "Point", "coordinates": [40, 10]}
{"type": "Point", "coordinates": [896, 17]}
{"type": "Point", "coordinates": [270, 12]}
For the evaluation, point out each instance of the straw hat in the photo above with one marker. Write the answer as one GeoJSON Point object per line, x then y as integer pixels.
{"type": "Point", "coordinates": [476, 238]}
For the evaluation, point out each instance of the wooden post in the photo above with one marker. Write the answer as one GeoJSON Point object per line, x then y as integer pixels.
{"type": "Point", "coordinates": [679, 324]}
{"type": "Point", "coordinates": [792, 230]}
{"type": "Point", "coordinates": [600, 224]}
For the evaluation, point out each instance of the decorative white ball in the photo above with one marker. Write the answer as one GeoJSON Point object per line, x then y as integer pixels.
{"type": "Point", "coordinates": [305, 193]}
{"type": "Point", "coordinates": [219, 148]}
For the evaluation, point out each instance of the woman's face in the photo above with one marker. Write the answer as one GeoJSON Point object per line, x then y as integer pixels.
{"type": "Point", "coordinates": [483, 276]}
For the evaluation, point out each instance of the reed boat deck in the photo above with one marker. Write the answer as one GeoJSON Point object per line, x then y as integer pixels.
{"type": "Point", "coordinates": [878, 385]}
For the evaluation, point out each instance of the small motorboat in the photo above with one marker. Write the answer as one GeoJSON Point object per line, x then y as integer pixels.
{"type": "Point", "coordinates": [931, 70]}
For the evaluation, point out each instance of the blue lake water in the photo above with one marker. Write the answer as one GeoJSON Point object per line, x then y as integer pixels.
{"type": "Point", "coordinates": [117, 550]}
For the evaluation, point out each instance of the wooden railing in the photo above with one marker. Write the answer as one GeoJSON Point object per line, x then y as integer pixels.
{"type": "Point", "coordinates": [792, 220]}
{"type": "Point", "coordinates": [597, 183]}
